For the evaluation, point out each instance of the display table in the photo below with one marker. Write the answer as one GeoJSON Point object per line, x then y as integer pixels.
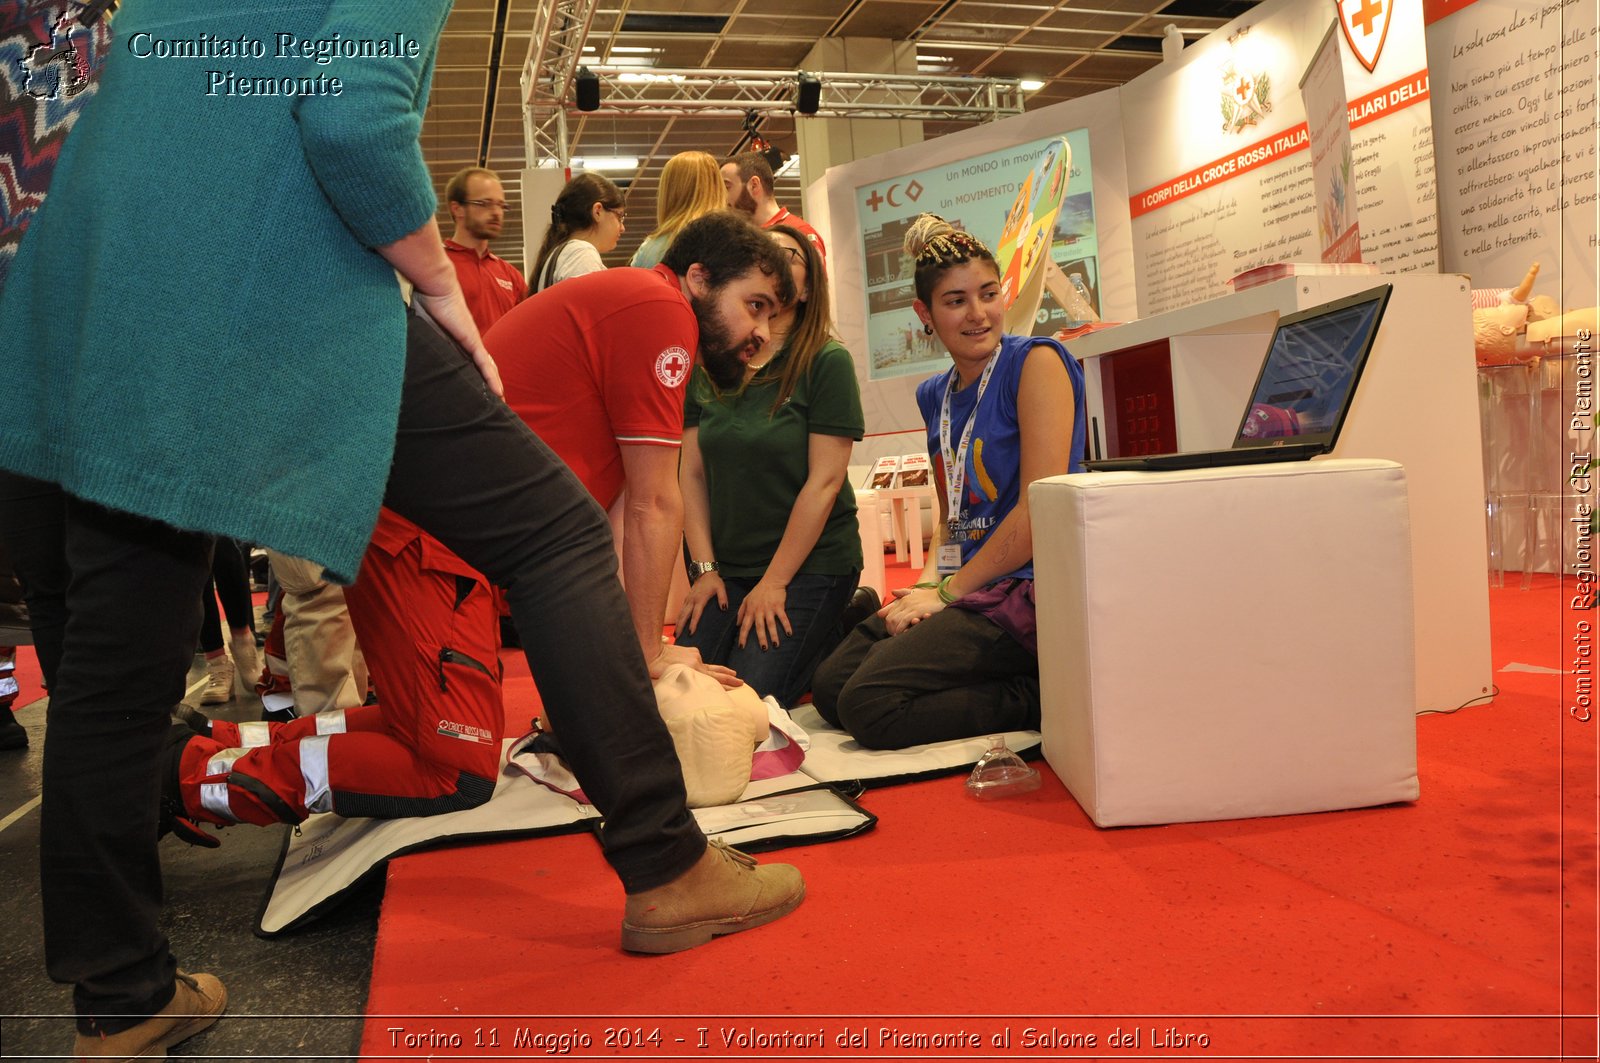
{"type": "Point", "coordinates": [868, 524]}
{"type": "Point", "coordinates": [1416, 404]}
{"type": "Point", "coordinates": [904, 507]}
{"type": "Point", "coordinates": [1223, 643]}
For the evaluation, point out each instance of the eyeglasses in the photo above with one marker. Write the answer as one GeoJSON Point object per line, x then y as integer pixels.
{"type": "Point", "coordinates": [794, 253]}
{"type": "Point", "coordinates": [620, 212]}
{"type": "Point", "coordinates": [494, 204]}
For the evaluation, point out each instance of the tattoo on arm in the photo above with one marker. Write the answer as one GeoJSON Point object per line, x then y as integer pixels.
{"type": "Point", "coordinates": [1004, 546]}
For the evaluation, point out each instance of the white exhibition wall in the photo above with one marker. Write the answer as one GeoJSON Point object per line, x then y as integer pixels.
{"type": "Point", "coordinates": [1220, 176]}
{"type": "Point", "coordinates": [1187, 190]}
{"type": "Point", "coordinates": [1514, 114]}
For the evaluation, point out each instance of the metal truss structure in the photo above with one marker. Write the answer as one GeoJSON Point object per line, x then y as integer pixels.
{"type": "Point", "coordinates": [557, 43]}
{"type": "Point", "coordinates": [553, 50]}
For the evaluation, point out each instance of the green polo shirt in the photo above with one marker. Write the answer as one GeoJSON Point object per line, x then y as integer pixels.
{"type": "Point", "coordinates": [757, 461]}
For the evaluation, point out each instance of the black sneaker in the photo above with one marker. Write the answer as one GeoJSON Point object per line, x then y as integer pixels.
{"type": "Point", "coordinates": [174, 818]}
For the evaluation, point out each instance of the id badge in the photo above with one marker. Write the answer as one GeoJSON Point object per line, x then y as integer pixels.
{"type": "Point", "coordinates": [949, 557]}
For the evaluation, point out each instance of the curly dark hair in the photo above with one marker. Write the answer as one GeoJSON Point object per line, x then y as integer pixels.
{"type": "Point", "coordinates": [726, 245]}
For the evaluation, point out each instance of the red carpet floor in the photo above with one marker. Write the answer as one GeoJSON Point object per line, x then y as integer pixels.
{"type": "Point", "coordinates": [1460, 926]}
{"type": "Point", "coordinates": [30, 682]}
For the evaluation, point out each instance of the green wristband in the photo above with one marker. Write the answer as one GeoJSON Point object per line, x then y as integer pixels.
{"type": "Point", "coordinates": [930, 586]}
{"type": "Point", "coordinates": [944, 590]}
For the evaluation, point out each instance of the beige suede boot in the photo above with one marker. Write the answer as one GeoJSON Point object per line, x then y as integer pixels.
{"type": "Point", "coordinates": [199, 1001]}
{"type": "Point", "coordinates": [724, 893]}
{"type": "Point", "coordinates": [219, 681]}
{"type": "Point", "coordinates": [246, 664]}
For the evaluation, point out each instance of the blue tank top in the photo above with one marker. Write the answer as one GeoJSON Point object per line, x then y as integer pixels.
{"type": "Point", "coordinates": [994, 457]}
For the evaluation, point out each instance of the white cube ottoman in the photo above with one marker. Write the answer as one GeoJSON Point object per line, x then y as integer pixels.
{"type": "Point", "coordinates": [1223, 643]}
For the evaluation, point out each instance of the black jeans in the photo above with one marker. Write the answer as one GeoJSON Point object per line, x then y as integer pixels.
{"type": "Point", "coordinates": [132, 616]}
{"type": "Point", "coordinates": [955, 675]}
{"type": "Point", "coordinates": [471, 473]}
{"type": "Point", "coordinates": [32, 522]}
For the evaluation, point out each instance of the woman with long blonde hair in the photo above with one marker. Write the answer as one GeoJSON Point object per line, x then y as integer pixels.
{"type": "Point", "coordinates": [769, 515]}
{"type": "Point", "coordinates": [691, 185]}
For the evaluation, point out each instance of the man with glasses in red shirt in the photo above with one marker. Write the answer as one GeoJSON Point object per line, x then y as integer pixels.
{"type": "Point", "coordinates": [491, 284]}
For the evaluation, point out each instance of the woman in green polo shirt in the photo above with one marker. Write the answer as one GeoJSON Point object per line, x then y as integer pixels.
{"type": "Point", "coordinates": [769, 516]}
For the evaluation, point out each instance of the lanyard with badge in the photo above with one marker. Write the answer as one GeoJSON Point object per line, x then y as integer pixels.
{"type": "Point", "coordinates": [955, 465]}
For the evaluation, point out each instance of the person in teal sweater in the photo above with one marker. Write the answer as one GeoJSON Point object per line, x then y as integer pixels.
{"type": "Point", "coordinates": [218, 249]}
{"type": "Point", "coordinates": [769, 515]}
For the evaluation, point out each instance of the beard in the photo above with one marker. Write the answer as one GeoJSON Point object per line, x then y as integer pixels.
{"type": "Point", "coordinates": [482, 230]}
{"type": "Point", "coordinates": [719, 347]}
{"type": "Point", "coordinates": [746, 203]}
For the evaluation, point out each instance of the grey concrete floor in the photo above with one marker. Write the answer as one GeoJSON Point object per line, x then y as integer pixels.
{"type": "Point", "coordinates": [299, 997]}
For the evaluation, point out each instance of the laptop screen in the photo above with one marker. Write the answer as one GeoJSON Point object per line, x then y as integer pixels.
{"type": "Point", "coordinates": [1311, 371]}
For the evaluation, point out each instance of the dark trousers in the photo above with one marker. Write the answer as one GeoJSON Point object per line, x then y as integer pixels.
{"type": "Point", "coordinates": [954, 675]}
{"type": "Point", "coordinates": [467, 470]}
{"type": "Point", "coordinates": [812, 604]}
{"type": "Point", "coordinates": [132, 616]}
{"type": "Point", "coordinates": [230, 581]}
{"type": "Point", "coordinates": [32, 522]}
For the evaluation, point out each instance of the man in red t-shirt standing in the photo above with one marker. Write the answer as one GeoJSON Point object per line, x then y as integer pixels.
{"type": "Point", "coordinates": [491, 284]}
{"type": "Point", "coordinates": [747, 180]}
{"type": "Point", "coordinates": [599, 367]}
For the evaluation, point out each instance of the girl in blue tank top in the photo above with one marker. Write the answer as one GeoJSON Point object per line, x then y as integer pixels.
{"type": "Point", "coordinates": [954, 656]}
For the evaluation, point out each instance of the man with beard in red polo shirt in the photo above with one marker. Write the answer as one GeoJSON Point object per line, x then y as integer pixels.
{"type": "Point", "coordinates": [490, 283]}
{"type": "Point", "coordinates": [598, 368]}
{"type": "Point", "coordinates": [747, 181]}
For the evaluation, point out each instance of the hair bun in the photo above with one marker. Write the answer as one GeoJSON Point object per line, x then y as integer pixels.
{"type": "Point", "coordinates": [931, 239]}
{"type": "Point", "coordinates": [923, 228]}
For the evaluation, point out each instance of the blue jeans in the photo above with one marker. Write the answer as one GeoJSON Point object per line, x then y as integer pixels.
{"type": "Point", "coordinates": [783, 672]}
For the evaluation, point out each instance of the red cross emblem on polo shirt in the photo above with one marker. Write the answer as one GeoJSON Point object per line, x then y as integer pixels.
{"type": "Point", "coordinates": [672, 366]}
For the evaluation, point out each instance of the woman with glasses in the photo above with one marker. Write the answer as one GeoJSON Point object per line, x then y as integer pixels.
{"type": "Point", "coordinates": [769, 516]}
{"type": "Point", "coordinates": [691, 185]}
{"type": "Point", "coordinates": [585, 223]}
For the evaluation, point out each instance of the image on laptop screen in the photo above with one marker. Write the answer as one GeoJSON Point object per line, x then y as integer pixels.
{"type": "Point", "coordinates": [1314, 363]}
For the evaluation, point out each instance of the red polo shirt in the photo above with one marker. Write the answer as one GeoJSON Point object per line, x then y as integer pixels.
{"type": "Point", "coordinates": [599, 362]}
{"type": "Point", "coordinates": [490, 283]}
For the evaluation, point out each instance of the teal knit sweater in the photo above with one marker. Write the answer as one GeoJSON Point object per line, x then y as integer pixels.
{"type": "Point", "coordinates": [196, 328]}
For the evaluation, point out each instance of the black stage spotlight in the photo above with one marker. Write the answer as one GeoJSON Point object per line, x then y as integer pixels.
{"type": "Point", "coordinates": [587, 89]}
{"type": "Point", "coordinates": [808, 94]}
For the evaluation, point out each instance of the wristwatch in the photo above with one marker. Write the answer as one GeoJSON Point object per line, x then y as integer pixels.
{"type": "Point", "coordinates": [700, 568]}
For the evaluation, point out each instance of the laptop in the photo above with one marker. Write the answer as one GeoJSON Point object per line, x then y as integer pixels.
{"type": "Point", "coordinates": [1299, 400]}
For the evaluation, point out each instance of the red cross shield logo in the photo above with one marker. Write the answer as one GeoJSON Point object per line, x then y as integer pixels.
{"type": "Point", "coordinates": [1366, 25]}
{"type": "Point", "coordinates": [672, 365]}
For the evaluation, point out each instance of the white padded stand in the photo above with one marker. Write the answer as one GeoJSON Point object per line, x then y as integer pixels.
{"type": "Point", "coordinates": [1224, 643]}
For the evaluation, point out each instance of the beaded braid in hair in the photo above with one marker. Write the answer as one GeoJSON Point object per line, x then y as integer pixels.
{"type": "Point", "coordinates": [937, 246]}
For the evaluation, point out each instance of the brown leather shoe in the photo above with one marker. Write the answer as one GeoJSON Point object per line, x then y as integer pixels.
{"type": "Point", "coordinates": [724, 893]}
{"type": "Point", "coordinates": [199, 1001]}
